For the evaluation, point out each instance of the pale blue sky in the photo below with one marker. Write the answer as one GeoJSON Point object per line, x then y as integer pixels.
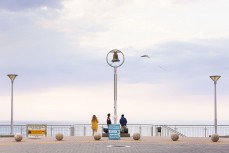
{"type": "Point", "coordinates": [58, 49]}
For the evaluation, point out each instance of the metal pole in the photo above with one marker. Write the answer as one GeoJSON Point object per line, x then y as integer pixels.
{"type": "Point", "coordinates": [11, 125]}
{"type": "Point", "coordinates": [151, 130]}
{"type": "Point", "coordinates": [205, 131]}
{"type": "Point", "coordinates": [115, 95]}
{"type": "Point", "coordinates": [215, 110]}
{"type": "Point", "coordinates": [115, 66]}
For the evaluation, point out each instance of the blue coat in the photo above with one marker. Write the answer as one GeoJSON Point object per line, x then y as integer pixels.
{"type": "Point", "coordinates": [123, 121]}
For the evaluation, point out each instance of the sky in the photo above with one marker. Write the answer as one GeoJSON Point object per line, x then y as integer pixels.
{"type": "Point", "coordinates": [58, 49]}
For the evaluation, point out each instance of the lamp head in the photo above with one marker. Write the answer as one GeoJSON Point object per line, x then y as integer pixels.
{"type": "Point", "coordinates": [12, 76]}
{"type": "Point", "coordinates": [215, 77]}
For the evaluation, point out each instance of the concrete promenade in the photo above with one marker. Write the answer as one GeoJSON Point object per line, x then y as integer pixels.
{"type": "Point", "coordinates": [80, 144]}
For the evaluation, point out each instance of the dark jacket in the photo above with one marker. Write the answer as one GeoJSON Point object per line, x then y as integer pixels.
{"type": "Point", "coordinates": [108, 120]}
{"type": "Point", "coordinates": [123, 121]}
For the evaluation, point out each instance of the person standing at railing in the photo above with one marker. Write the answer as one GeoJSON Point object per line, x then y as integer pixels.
{"type": "Point", "coordinates": [108, 119]}
{"type": "Point", "coordinates": [123, 122]}
{"type": "Point", "coordinates": [94, 124]}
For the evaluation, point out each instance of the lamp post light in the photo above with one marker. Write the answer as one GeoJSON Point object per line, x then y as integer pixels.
{"type": "Point", "coordinates": [215, 78]}
{"type": "Point", "coordinates": [12, 77]}
{"type": "Point", "coordinates": [115, 62]}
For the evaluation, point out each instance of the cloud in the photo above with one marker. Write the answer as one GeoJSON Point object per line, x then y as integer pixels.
{"type": "Point", "coordinates": [44, 55]}
{"type": "Point", "coordinates": [49, 61]}
{"type": "Point", "coordinates": [189, 65]}
{"type": "Point", "coordinates": [20, 5]}
{"type": "Point", "coordinates": [65, 50]}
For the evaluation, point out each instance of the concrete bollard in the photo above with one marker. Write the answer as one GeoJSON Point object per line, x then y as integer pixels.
{"type": "Point", "coordinates": [97, 136]}
{"type": "Point", "coordinates": [214, 137]}
{"type": "Point", "coordinates": [136, 136]}
{"type": "Point", "coordinates": [174, 137]}
{"type": "Point", "coordinates": [18, 137]}
{"type": "Point", "coordinates": [59, 136]}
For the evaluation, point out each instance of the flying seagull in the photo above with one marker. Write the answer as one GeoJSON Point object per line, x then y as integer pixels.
{"type": "Point", "coordinates": [145, 56]}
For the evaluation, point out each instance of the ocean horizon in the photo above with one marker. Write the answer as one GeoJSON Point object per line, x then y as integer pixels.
{"type": "Point", "coordinates": [72, 122]}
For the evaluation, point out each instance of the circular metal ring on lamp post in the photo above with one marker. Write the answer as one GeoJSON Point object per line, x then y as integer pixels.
{"type": "Point", "coordinates": [117, 51]}
{"type": "Point", "coordinates": [113, 64]}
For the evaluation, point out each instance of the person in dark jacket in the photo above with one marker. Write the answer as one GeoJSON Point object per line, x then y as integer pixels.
{"type": "Point", "coordinates": [108, 119]}
{"type": "Point", "coordinates": [123, 121]}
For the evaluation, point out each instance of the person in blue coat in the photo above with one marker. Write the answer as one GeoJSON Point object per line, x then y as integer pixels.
{"type": "Point", "coordinates": [123, 121]}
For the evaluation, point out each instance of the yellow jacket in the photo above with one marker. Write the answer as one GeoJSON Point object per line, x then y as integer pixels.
{"type": "Point", "coordinates": [94, 124]}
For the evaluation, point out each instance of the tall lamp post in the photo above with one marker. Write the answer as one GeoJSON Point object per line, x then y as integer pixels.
{"type": "Point", "coordinates": [215, 78]}
{"type": "Point", "coordinates": [12, 77]}
{"type": "Point", "coordinates": [115, 62]}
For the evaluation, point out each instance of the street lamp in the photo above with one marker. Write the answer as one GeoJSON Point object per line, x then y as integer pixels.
{"type": "Point", "coordinates": [12, 77]}
{"type": "Point", "coordinates": [215, 78]}
{"type": "Point", "coordinates": [115, 62]}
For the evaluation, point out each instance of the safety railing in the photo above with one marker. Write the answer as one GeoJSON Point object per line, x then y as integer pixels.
{"type": "Point", "coordinates": [143, 129]}
{"type": "Point", "coordinates": [199, 130]}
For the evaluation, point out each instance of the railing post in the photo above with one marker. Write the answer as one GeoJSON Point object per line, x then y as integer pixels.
{"type": "Point", "coordinates": [175, 128]}
{"type": "Point", "coordinates": [151, 130]}
{"type": "Point", "coordinates": [140, 129]}
{"type": "Point", "coordinates": [156, 132]}
{"type": "Point", "coordinates": [72, 130]}
{"type": "Point", "coordinates": [21, 129]}
{"type": "Point", "coordinates": [102, 129]}
{"type": "Point", "coordinates": [205, 131]}
{"type": "Point", "coordinates": [84, 130]}
{"type": "Point", "coordinates": [51, 130]}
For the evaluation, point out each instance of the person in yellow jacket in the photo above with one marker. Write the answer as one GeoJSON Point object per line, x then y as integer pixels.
{"type": "Point", "coordinates": [94, 124]}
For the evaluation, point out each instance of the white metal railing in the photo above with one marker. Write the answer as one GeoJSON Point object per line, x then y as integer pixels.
{"type": "Point", "coordinates": [143, 129]}
{"type": "Point", "coordinates": [167, 131]}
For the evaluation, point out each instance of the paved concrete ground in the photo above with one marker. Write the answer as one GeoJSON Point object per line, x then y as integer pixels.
{"type": "Point", "coordinates": [89, 145]}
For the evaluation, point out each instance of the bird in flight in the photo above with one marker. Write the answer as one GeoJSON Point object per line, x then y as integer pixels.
{"type": "Point", "coordinates": [145, 56]}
